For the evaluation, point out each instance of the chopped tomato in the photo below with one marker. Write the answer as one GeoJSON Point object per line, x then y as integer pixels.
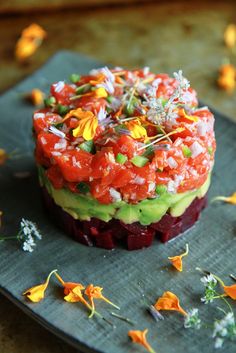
{"type": "Point", "coordinates": [50, 143]}
{"type": "Point", "coordinates": [42, 119]}
{"type": "Point", "coordinates": [125, 145]}
{"type": "Point", "coordinates": [90, 103]}
{"type": "Point", "coordinates": [123, 177]}
{"type": "Point", "coordinates": [54, 175]}
{"type": "Point", "coordinates": [75, 165]}
{"type": "Point", "coordinates": [62, 92]}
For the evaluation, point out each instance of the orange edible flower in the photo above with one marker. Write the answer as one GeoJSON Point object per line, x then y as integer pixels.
{"type": "Point", "coordinates": [230, 291]}
{"type": "Point", "coordinates": [226, 80]}
{"type": "Point", "coordinates": [87, 124]}
{"type": "Point", "coordinates": [169, 301]}
{"type": "Point", "coordinates": [36, 96]}
{"type": "Point", "coordinates": [95, 292]}
{"type": "Point", "coordinates": [75, 296]}
{"type": "Point", "coordinates": [136, 129]}
{"type": "Point", "coordinates": [3, 156]}
{"type": "Point", "coordinates": [230, 199]}
{"type": "Point", "coordinates": [36, 294]}
{"type": "Point", "coordinates": [139, 337]}
{"type": "Point", "coordinates": [68, 286]}
{"type": "Point", "coordinates": [184, 118]}
{"type": "Point", "coordinates": [31, 38]}
{"type": "Point", "coordinates": [97, 93]}
{"type": "Point", "coordinates": [177, 260]}
{"type": "Point", "coordinates": [99, 79]}
{"type": "Point", "coordinates": [230, 35]}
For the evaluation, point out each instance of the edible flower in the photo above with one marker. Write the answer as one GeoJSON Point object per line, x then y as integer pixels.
{"type": "Point", "coordinates": [75, 295]}
{"type": "Point", "coordinates": [26, 236]}
{"type": "Point", "coordinates": [226, 79]}
{"type": "Point", "coordinates": [136, 129]}
{"type": "Point", "coordinates": [192, 319]}
{"type": "Point", "coordinates": [97, 93]}
{"type": "Point", "coordinates": [184, 118]}
{"type": "Point", "coordinates": [230, 199]}
{"type": "Point", "coordinates": [31, 38]}
{"type": "Point", "coordinates": [36, 96]}
{"type": "Point", "coordinates": [87, 123]}
{"type": "Point", "coordinates": [230, 35]}
{"type": "Point", "coordinates": [139, 337]}
{"type": "Point", "coordinates": [95, 292]}
{"type": "Point", "coordinates": [224, 329]}
{"type": "Point", "coordinates": [98, 79]}
{"type": "Point", "coordinates": [177, 260]}
{"type": "Point", "coordinates": [3, 156]}
{"type": "Point", "coordinates": [36, 293]}
{"type": "Point", "coordinates": [68, 286]}
{"type": "Point", "coordinates": [169, 301]}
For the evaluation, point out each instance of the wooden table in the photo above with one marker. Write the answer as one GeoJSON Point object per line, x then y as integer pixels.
{"type": "Point", "coordinates": [165, 37]}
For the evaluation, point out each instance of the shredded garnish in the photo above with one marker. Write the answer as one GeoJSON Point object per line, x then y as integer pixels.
{"type": "Point", "coordinates": [31, 38]}
{"type": "Point", "coordinates": [177, 260]}
{"type": "Point", "coordinates": [139, 337]}
{"type": "Point", "coordinates": [169, 301]}
{"type": "Point", "coordinates": [36, 293]}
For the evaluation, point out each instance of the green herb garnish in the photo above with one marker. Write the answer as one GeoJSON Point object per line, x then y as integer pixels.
{"type": "Point", "coordinates": [139, 161]}
{"type": "Point", "coordinates": [74, 78]}
{"type": "Point", "coordinates": [88, 146]}
{"type": "Point", "coordinates": [62, 109]}
{"type": "Point", "coordinates": [48, 102]}
{"type": "Point", "coordinates": [121, 158]}
{"type": "Point", "coordinates": [161, 189]}
{"type": "Point", "coordinates": [186, 151]}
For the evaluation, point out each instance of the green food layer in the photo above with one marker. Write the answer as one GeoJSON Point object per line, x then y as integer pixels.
{"type": "Point", "coordinates": [84, 207]}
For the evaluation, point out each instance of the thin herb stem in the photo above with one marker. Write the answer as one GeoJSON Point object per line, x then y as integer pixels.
{"type": "Point", "coordinates": [126, 319]}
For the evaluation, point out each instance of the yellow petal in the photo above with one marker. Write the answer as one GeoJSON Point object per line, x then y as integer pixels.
{"type": "Point", "coordinates": [100, 92]}
{"type": "Point", "coordinates": [36, 293]}
{"type": "Point", "coordinates": [230, 35]}
{"type": "Point", "coordinates": [37, 96]}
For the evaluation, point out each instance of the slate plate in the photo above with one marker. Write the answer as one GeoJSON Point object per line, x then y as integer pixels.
{"type": "Point", "coordinates": [130, 279]}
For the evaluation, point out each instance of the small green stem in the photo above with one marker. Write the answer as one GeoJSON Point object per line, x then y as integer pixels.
{"type": "Point", "coordinates": [126, 319]}
{"type": "Point", "coordinates": [9, 238]}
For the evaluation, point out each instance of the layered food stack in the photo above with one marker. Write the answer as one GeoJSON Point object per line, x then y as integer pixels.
{"type": "Point", "coordinates": [124, 156]}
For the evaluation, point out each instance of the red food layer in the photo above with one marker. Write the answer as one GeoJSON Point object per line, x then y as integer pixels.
{"type": "Point", "coordinates": [135, 236]}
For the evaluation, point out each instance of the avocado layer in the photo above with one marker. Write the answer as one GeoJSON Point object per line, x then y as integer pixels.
{"type": "Point", "coordinates": [84, 207]}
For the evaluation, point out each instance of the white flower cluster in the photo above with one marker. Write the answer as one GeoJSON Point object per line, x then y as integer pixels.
{"type": "Point", "coordinates": [192, 319]}
{"type": "Point", "coordinates": [210, 283]}
{"type": "Point", "coordinates": [159, 110]}
{"type": "Point", "coordinates": [224, 328]}
{"type": "Point", "coordinates": [27, 235]}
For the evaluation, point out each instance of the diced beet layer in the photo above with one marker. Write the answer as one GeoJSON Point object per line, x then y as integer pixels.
{"type": "Point", "coordinates": [134, 236]}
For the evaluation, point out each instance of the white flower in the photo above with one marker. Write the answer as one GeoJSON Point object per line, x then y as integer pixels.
{"type": "Point", "coordinates": [109, 75]}
{"type": "Point", "coordinates": [192, 319]}
{"type": "Point", "coordinates": [108, 86]}
{"type": "Point", "coordinates": [27, 235]}
{"type": "Point", "coordinates": [209, 281]}
{"type": "Point", "coordinates": [102, 114]}
{"type": "Point", "coordinates": [223, 329]}
{"type": "Point", "coordinates": [183, 82]}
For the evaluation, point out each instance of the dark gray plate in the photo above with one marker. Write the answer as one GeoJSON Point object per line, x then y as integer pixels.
{"type": "Point", "coordinates": [129, 278]}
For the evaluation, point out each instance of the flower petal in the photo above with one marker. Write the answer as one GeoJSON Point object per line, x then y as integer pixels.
{"type": "Point", "coordinates": [36, 293]}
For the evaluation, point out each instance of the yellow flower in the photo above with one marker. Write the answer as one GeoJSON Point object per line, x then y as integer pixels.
{"type": "Point", "coordinates": [230, 35]}
{"type": "Point", "coordinates": [92, 293]}
{"type": "Point", "coordinates": [3, 156]}
{"type": "Point", "coordinates": [68, 286]}
{"type": "Point", "coordinates": [177, 260]}
{"type": "Point", "coordinates": [136, 129]}
{"type": "Point", "coordinates": [230, 199]}
{"type": "Point", "coordinates": [169, 301]}
{"type": "Point", "coordinates": [184, 118]}
{"type": "Point", "coordinates": [31, 38]}
{"type": "Point", "coordinates": [87, 123]}
{"type": "Point", "coordinates": [36, 293]}
{"type": "Point", "coordinates": [75, 295]}
{"type": "Point", "coordinates": [139, 337]}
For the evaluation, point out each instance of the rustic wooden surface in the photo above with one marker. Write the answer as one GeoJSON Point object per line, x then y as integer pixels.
{"type": "Point", "coordinates": [164, 37]}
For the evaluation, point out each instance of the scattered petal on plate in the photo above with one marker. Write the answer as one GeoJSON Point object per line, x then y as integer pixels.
{"type": "Point", "coordinates": [229, 199]}
{"type": "Point", "coordinates": [177, 260]}
{"type": "Point", "coordinates": [36, 293]}
{"type": "Point", "coordinates": [139, 337]}
{"type": "Point", "coordinates": [169, 301]}
{"type": "Point", "coordinates": [230, 35]}
{"type": "Point", "coordinates": [226, 79]}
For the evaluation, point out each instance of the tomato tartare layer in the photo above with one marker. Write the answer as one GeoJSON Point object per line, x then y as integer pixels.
{"type": "Point", "coordinates": [121, 135]}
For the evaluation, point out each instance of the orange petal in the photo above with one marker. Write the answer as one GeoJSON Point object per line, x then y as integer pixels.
{"type": "Point", "coordinates": [36, 293]}
{"type": "Point", "coordinates": [169, 301]}
{"type": "Point", "coordinates": [3, 156]}
{"type": "Point", "coordinates": [230, 291]}
{"type": "Point", "coordinates": [139, 337]}
{"type": "Point", "coordinates": [37, 96]}
{"type": "Point", "coordinates": [177, 260]}
{"type": "Point", "coordinates": [183, 117]}
{"type": "Point", "coordinates": [230, 199]}
{"type": "Point", "coordinates": [68, 286]}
